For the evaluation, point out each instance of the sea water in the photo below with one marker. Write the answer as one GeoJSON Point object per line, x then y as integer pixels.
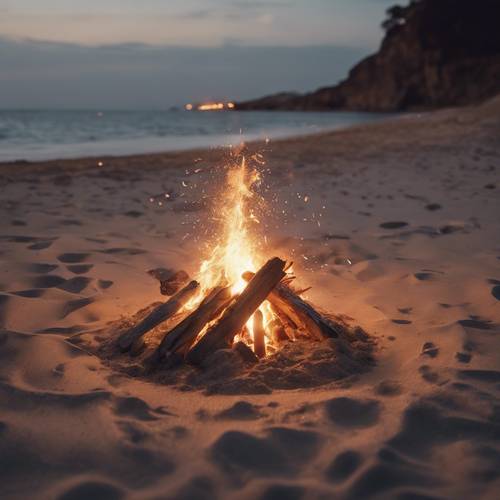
{"type": "Point", "coordinates": [44, 135]}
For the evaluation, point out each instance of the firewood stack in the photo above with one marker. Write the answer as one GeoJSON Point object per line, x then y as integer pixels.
{"type": "Point", "coordinates": [220, 316]}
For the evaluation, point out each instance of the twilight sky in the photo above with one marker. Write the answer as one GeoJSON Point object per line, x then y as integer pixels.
{"type": "Point", "coordinates": [157, 53]}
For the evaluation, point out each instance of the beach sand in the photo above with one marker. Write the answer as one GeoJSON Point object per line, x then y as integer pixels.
{"type": "Point", "coordinates": [408, 246]}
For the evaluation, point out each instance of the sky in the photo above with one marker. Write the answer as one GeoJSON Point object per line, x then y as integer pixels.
{"type": "Point", "coordinates": [157, 53]}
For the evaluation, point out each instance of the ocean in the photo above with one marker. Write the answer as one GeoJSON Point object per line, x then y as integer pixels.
{"type": "Point", "coordinates": [45, 135]}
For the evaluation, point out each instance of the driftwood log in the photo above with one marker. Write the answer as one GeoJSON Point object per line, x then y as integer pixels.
{"type": "Point", "coordinates": [285, 301]}
{"type": "Point", "coordinates": [183, 335]}
{"type": "Point", "coordinates": [157, 316]}
{"type": "Point", "coordinates": [259, 342]}
{"type": "Point", "coordinates": [221, 334]}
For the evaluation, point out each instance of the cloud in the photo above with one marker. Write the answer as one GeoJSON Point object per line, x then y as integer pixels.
{"type": "Point", "coordinates": [62, 75]}
{"type": "Point", "coordinates": [238, 10]}
{"type": "Point", "coordinates": [199, 22]}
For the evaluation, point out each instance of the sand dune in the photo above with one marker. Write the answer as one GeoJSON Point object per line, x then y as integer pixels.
{"type": "Point", "coordinates": [408, 245]}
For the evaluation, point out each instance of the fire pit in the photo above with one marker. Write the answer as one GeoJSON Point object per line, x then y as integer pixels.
{"type": "Point", "coordinates": [240, 304]}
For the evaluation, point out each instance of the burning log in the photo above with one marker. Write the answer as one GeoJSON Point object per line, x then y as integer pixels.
{"type": "Point", "coordinates": [221, 335]}
{"type": "Point", "coordinates": [182, 336]}
{"type": "Point", "coordinates": [286, 301]}
{"type": "Point", "coordinates": [259, 343]}
{"type": "Point", "coordinates": [157, 316]}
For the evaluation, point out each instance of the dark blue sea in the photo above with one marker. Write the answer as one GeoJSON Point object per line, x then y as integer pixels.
{"type": "Point", "coordinates": [44, 135]}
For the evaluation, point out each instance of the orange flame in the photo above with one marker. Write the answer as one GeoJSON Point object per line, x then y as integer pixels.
{"type": "Point", "coordinates": [235, 252]}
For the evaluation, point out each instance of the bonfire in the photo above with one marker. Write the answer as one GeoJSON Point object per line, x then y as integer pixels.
{"type": "Point", "coordinates": [241, 299]}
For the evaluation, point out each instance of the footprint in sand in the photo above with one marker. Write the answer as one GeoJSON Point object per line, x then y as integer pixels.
{"type": "Point", "coordinates": [429, 349]}
{"type": "Point", "coordinates": [41, 245]}
{"type": "Point", "coordinates": [71, 222]}
{"type": "Point", "coordinates": [432, 207]}
{"type": "Point", "coordinates": [97, 240]}
{"type": "Point", "coordinates": [405, 310]}
{"type": "Point", "coordinates": [63, 330]}
{"type": "Point", "coordinates": [18, 222]}
{"type": "Point", "coordinates": [401, 321]}
{"type": "Point", "coordinates": [393, 225]}
{"type": "Point", "coordinates": [133, 432]}
{"type": "Point", "coordinates": [476, 323]}
{"type": "Point", "coordinates": [489, 376]}
{"type": "Point", "coordinates": [73, 305]}
{"type": "Point", "coordinates": [349, 412]}
{"type": "Point", "coordinates": [80, 268]}
{"type": "Point", "coordinates": [389, 475]}
{"type": "Point", "coordinates": [41, 268]}
{"type": "Point", "coordinates": [92, 489]}
{"type": "Point", "coordinates": [133, 213]}
{"type": "Point", "coordinates": [452, 228]}
{"type": "Point", "coordinates": [34, 293]}
{"type": "Point", "coordinates": [105, 284]}
{"type": "Point", "coordinates": [343, 466]}
{"type": "Point", "coordinates": [463, 357]}
{"type": "Point", "coordinates": [241, 410]}
{"type": "Point", "coordinates": [495, 291]}
{"type": "Point", "coordinates": [75, 285]}
{"type": "Point", "coordinates": [73, 258]}
{"type": "Point", "coordinates": [425, 276]}
{"type": "Point", "coordinates": [388, 388]}
{"type": "Point", "coordinates": [19, 239]}
{"type": "Point", "coordinates": [4, 299]}
{"type": "Point", "coordinates": [123, 251]}
{"type": "Point", "coordinates": [138, 409]}
{"type": "Point", "coordinates": [47, 281]}
{"type": "Point", "coordinates": [282, 451]}
{"type": "Point", "coordinates": [59, 370]}
{"type": "Point", "coordinates": [431, 376]}
{"type": "Point", "coordinates": [427, 424]}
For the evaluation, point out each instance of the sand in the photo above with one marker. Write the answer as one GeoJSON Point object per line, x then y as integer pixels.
{"type": "Point", "coordinates": [408, 246]}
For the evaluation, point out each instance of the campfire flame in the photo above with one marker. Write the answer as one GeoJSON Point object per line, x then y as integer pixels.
{"type": "Point", "coordinates": [235, 251]}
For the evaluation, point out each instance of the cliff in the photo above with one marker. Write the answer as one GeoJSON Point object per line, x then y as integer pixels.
{"type": "Point", "coordinates": [435, 53]}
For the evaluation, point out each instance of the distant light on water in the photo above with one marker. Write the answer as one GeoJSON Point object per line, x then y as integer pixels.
{"type": "Point", "coordinates": [209, 106]}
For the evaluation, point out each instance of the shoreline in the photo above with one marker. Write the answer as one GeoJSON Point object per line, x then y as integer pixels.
{"type": "Point", "coordinates": [148, 159]}
{"type": "Point", "coordinates": [161, 133]}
